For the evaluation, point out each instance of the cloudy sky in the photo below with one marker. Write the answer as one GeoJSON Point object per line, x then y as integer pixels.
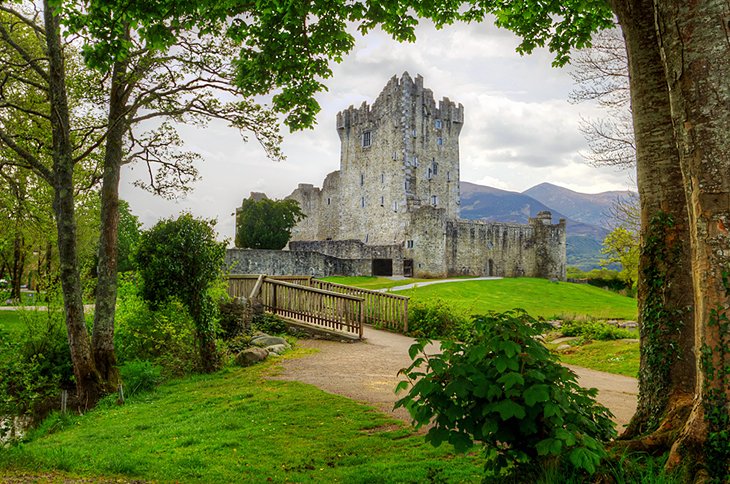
{"type": "Point", "coordinates": [519, 128]}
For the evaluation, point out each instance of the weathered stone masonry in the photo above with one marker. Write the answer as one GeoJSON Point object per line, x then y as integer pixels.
{"type": "Point", "coordinates": [395, 200]}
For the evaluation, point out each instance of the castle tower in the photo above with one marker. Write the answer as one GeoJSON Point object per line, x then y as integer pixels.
{"type": "Point", "coordinates": [398, 155]}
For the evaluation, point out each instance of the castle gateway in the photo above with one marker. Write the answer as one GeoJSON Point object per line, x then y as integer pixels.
{"type": "Point", "coordinates": [393, 206]}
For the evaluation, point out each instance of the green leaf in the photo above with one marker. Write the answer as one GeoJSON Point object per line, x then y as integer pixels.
{"type": "Point", "coordinates": [582, 458]}
{"type": "Point", "coordinates": [509, 348]}
{"type": "Point", "coordinates": [511, 379]}
{"type": "Point", "coordinates": [402, 385]}
{"type": "Point", "coordinates": [508, 409]}
{"type": "Point", "coordinates": [536, 393]}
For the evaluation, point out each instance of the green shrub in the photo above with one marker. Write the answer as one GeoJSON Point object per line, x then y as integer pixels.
{"type": "Point", "coordinates": [504, 389]}
{"type": "Point", "coordinates": [437, 320]}
{"type": "Point", "coordinates": [232, 319]}
{"type": "Point", "coordinates": [165, 336]}
{"type": "Point", "coordinates": [181, 259]}
{"type": "Point", "coordinates": [35, 364]}
{"type": "Point", "coordinates": [595, 330]}
{"type": "Point", "coordinates": [270, 324]}
{"type": "Point", "coordinates": [140, 376]}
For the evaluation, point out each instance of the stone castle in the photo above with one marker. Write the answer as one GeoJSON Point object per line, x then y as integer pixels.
{"type": "Point", "coordinates": [393, 206]}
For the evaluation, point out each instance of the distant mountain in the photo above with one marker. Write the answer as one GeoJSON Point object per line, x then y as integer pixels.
{"type": "Point", "coordinates": [588, 208]}
{"type": "Point", "coordinates": [479, 202]}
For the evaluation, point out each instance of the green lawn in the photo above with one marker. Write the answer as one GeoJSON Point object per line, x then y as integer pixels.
{"type": "Point", "coordinates": [238, 426]}
{"type": "Point", "coordinates": [370, 282]}
{"type": "Point", "coordinates": [539, 297]}
{"type": "Point", "coordinates": [11, 321]}
{"type": "Point", "coordinates": [620, 356]}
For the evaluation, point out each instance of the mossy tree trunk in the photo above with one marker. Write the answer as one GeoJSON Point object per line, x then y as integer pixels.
{"type": "Point", "coordinates": [667, 375]}
{"type": "Point", "coordinates": [695, 45]}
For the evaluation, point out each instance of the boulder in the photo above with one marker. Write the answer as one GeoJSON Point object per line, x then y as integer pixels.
{"type": "Point", "coordinates": [278, 349]}
{"type": "Point", "coordinates": [563, 347]}
{"type": "Point", "coordinates": [266, 340]}
{"type": "Point", "coordinates": [250, 356]}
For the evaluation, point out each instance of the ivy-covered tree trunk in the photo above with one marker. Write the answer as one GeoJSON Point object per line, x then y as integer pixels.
{"type": "Point", "coordinates": [106, 287]}
{"type": "Point", "coordinates": [18, 268]}
{"type": "Point", "coordinates": [667, 375]}
{"type": "Point", "coordinates": [695, 47]}
{"type": "Point", "coordinates": [88, 384]}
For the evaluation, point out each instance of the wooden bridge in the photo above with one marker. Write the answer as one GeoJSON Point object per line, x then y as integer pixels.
{"type": "Point", "coordinates": [321, 304]}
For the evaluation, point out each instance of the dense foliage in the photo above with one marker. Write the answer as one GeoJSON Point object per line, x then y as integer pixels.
{"type": "Point", "coordinates": [266, 223]}
{"type": "Point", "coordinates": [437, 320]}
{"type": "Point", "coordinates": [181, 259]}
{"type": "Point", "coordinates": [504, 389]}
{"type": "Point", "coordinates": [595, 330]}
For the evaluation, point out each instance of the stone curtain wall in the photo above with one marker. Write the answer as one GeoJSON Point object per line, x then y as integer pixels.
{"type": "Point", "coordinates": [287, 262]}
{"type": "Point", "coordinates": [508, 250]}
{"type": "Point", "coordinates": [353, 250]}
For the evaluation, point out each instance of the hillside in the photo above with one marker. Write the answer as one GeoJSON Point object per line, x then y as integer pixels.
{"type": "Point", "coordinates": [479, 202]}
{"type": "Point", "coordinates": [590, 208]}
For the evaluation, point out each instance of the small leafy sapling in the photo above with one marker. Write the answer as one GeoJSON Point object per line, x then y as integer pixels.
{"type": "Point", "coordinates": [503, 388]}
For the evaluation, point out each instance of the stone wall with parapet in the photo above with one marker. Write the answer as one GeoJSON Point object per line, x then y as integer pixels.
{"type": "Point", "coordinates": [481, 248]}
{"type": "Point", "coordinates": [353, 250]}
{"type": "Point", "coordinates": [289, 262]}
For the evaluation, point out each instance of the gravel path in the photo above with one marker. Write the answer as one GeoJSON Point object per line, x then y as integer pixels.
{"type": "Point", "coordinates": [367, 372]}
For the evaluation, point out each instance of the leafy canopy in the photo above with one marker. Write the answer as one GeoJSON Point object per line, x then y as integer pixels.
{"type": "Point", "coordinates": [286, 47]}
{"type": "Point", "coordinates": [503, 388]}
{"type": "Point", "coordinates": [266, 224]}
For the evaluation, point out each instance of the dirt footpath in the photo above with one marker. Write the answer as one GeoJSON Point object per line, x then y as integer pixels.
{"type": "Point", "coordinates": [367, 372]}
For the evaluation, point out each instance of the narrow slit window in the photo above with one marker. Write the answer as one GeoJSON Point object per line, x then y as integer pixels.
{"type": "Point", "coordinates": [437, 124]}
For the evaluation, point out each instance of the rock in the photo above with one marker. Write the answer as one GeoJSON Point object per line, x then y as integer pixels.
{"type": "Point", "coordinates": [278, 349]}
{"type": "Point", "coordinates": [266, 340]}
{"type": "Point", "coordinates": [250, 356]}
{"type": "Point", "coordinates": [563, 347]}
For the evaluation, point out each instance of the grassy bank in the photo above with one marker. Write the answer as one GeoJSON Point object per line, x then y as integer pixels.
{"type": "Point", "coordinates": [239, 426]}
{"type": "Point", "coordinates": [620, 356]}
{"type": "Point", "coordinates": [11, 321]}
{"type": "Point", "coordinates": [539, 297]}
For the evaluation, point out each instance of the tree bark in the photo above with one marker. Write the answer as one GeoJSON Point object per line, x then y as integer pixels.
{"type": "Point", "coordinates": [694, 38]}
{"type": "Point", "coordinates": [666, 378]}
{"type": "Point", "coordinates": [106, 288]}
{"type": "Point", "coordinates": [88, 384]}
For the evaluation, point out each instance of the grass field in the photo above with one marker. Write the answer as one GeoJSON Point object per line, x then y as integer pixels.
{"type": "Point", "coordinates": [370, 282]}
{"type": "Point", "coordinates": [539, 297]}
{"type": "Point", "coordinates": [239, 426]}
{"type": "Point", "coordinates": [11, 321]}
{"type": "Point", "coordinates": [620, 357]}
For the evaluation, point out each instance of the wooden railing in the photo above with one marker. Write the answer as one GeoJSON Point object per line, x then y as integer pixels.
{"type": "Point", "coordinates": [381, 308]}
{"type": "Point", "coordinates": [295, 301]}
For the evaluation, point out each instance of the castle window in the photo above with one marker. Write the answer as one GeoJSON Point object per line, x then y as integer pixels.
{"type": "Point", "coordinates": [435, 168]}
{"type": "Point", "coordinates": [430, 173]}
{"type": "Point", "coordinates": [366, 141]}
{"type": "Point", "coordinates": [362, 179]}
{"type": "Point", "coordinates": [362, 202]}
{"type": "Point", "coordinates": [448, 176]}
{"type": "Point", "coordinates": [382, 201]}
{"type": "Point", "coordinates": [406, 185]}
{"type": "Point", "coordinates": [434, 200]}
{"type": "Point", "coordinates": [415, 161]}
{"type": "Point", "coordinates": [329, 200]}
{"type": "Point", "coordinates": [409, 244]}
{"type": "Point", "coordinates": [395, 206]}
{"type": "Point", "coordinates": [437, 124]}
{"type": "Point", "coordinates": [395, 155]}
{"type": "Point", "coordinates": [414, 133]}
{"type": "Point", "coordinates": [382, 178]}
{"type": "Point", "coordinates": [439, 141]}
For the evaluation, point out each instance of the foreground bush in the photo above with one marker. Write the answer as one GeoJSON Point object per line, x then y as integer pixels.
{"type": "Point", "coordinates": [436, 319]}
{"type": "Point", "coordinates": [35, 365]}
{"type": "Point", "coordinates": [504, 389]}
{"type": "Point", "coordinates": [595, 330]}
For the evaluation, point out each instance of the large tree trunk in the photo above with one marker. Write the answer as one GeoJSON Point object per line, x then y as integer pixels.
{"type": "Point", "coordinates": [88, 384]}
{"type": "Point", "coordinates": [106, 287]}
{"type": "Point", "coordinates": [695, 46]}
{"type": "Point", "coordinates": [666, 378]}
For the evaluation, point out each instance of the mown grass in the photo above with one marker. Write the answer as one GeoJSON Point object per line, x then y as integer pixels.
{"type": "Point", "coordinates": [11, 321]}
{"type": "Point", "coordinates": [619, 356]}
{"type": "Point", "coordinates": [371, 282]}
{"type": "Point", "coordinates": [239, 426]}
{"type": "Point", "coordinates": [539, 297]}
